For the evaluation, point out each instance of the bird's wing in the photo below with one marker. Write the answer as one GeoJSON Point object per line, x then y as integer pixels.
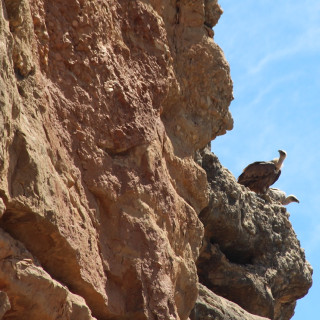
{"type": "Point", "coordinates": [257, 170]}
{"type": "Point", "coordinates": [274, 178]}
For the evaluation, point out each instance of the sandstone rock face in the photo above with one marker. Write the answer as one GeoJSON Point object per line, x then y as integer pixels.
{"type": "Point", "coordinates": [33, 293]}
{"type": "Point", "coordinates": [211, 306]}
{"type": "Point", "coordinates": [99, 126]}
{"type": "Point", "coordinates": [250, 254]}
{"type": "Point", "coordinates": [103, 105]}
{"type": "Point", "coordinates": [4, 303]}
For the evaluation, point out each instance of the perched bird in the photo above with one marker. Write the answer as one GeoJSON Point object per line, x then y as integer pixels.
{"type": "Point", "coordinates": [281, 197]}
{"type": "Point", "coordinates": [260, 175]}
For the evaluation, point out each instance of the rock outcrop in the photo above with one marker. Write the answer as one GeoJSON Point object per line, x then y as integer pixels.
{"type": "Point", "coordinates": [103, 106]}
{"type": "Point", "coordinates": [250, 252]}
{"type": "Point", "coordinates": [211, 306]}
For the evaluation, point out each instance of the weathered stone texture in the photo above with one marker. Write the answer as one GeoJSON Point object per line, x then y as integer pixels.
{"type": "Point", "coordinates": [250, 253]}
{"type": "Point", "coordinates": [4, 303]}
{"type": "Point", "coordinates": [102, 107]}
{"type": "Point", "coordinates": [33, 293]}
{"type": "Point", "coordinates": [211, 306]}
{"type": "Point", "coordinates": [98, 132]}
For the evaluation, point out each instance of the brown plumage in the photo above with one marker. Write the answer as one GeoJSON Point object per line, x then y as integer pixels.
{"type": "Point", "coordinates": [260, 175]}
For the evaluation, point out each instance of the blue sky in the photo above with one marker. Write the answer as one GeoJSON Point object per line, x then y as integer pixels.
{"type": "Point", "coordinates": [273, 48]}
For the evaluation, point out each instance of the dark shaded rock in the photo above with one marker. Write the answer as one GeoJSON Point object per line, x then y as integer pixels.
{"type": "Point", "coordinates": [211, 306]}
{"type": "Point", "coordinates": [250, 253]}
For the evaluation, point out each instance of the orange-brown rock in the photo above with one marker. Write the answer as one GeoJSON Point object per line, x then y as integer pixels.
{"type": "Point", "coordinates": [33, 293]}
{"type": "Point", "coordinates": [103, 105]}
{"type": "Point", "coordinates": [99, 129]}
{"type": "Point", "coordinates": [211, 306]}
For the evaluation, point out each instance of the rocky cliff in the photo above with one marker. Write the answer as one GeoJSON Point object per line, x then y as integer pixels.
{"type": "Point", "coordinates": [108, 208]}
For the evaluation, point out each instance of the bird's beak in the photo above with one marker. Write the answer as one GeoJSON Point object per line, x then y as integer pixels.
{"type": "Point", "coordinates": [294, 199]}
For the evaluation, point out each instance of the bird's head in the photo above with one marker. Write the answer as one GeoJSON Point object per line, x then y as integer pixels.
{"type": "Point", "coordinates": [282, 153]}
{"type": "Point", "coordinates": [292, 198]}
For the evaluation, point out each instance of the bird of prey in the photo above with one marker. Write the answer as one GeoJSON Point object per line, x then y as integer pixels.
{"type": "Point", "coordinates": [281, 197]}
{"type": "Point", "coordinates": [260, 175]}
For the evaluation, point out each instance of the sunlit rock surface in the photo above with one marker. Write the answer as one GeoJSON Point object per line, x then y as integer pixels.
{"type": "Point", "coordinates": [103, 106]}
